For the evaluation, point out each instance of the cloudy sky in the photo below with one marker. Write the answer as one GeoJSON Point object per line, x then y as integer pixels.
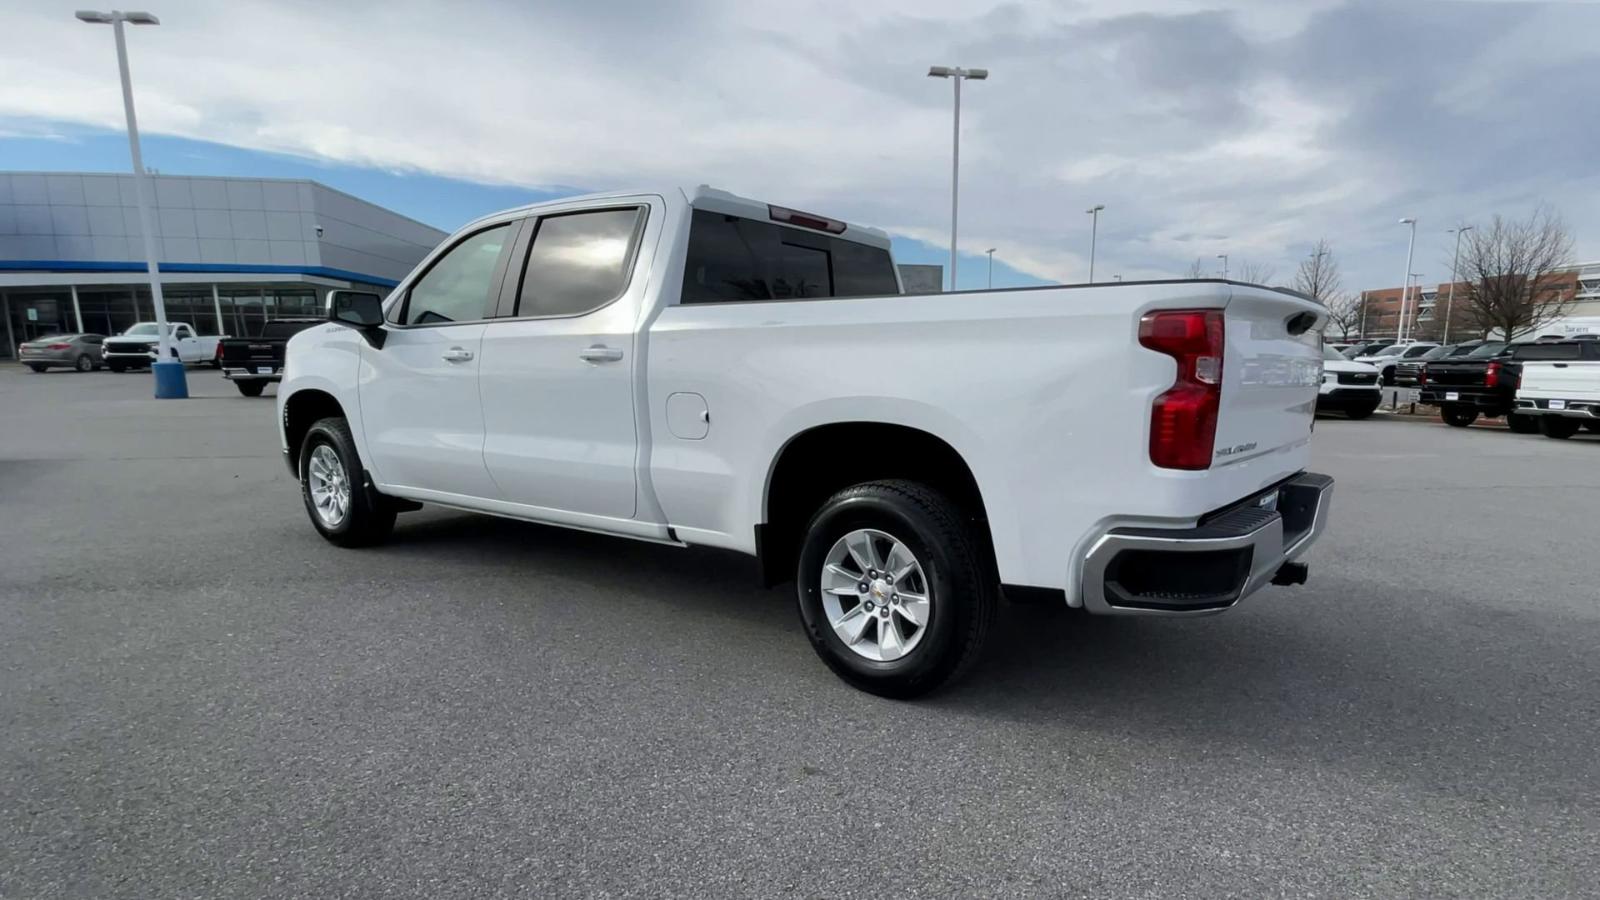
{"type": "Point", "coordinates": [1247, 127]}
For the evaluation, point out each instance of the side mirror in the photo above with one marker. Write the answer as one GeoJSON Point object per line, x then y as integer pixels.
{"type": "Point", "coordinates": [362, 310]}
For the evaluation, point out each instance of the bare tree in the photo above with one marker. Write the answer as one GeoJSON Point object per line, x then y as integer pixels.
{"type": "Point", "coordinates": [1318, 276]}
{"type": "Point", "coordinates": [1196, 271]}
{"type": "Point", "coordinates": [1509, 268]}
{"type": "Point", "coordinates": [1344, 314]}
{"type": "Point", "coordinates": [1254, 273]}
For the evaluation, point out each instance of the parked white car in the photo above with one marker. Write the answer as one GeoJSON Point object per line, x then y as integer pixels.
{"type": "Point", "coordinates": [1348, 387]}
{"type": "Point", "coordinates": [136, 347]}
{"type": "Point", "coordinates": [1560, 386]}
{"type": "Point", "coordinates": [694, 368]}
{"type": "Point", "coordinates": [1384, 360]}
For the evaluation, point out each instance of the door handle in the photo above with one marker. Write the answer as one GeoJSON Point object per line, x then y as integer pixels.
{"type": "Point", "coordinates": [600, 353]}
{"type": "Point", "coordinates": [456, 354]}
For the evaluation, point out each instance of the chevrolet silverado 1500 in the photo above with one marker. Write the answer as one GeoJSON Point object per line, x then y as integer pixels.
{"type": "Point", "coordinates": [694, 368]}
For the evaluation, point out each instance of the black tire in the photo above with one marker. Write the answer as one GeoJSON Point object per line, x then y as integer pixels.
{"type": "Point", "coordinates": [1361, 412]}
{"type": "Point", "coordinates": [369, 519]}
{"type": "Point", "coordinates": [1522, 424]}
{"type": "Point", "coordinates": [1387, 377]}
{"type": "Point", "coordinates": [1458, 416]}
{"type": "Point", "coordinates": [83, 363]}
{"type": "Point", "coordinates": [1593, 427]}
{"type": "Point", "coordinates": [250, 388]}
{"type": "Point", "coordinates": [116, 367]}
{"type": "Point", "coordinates": [1558, 427]}
{"type": "Point", "coordinates": [37, 367]}
{"type": "Point", "coordinates": [962, 587]}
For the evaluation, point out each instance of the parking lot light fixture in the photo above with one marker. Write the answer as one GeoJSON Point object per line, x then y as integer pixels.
{"type": "Point", "coordinates": [958, 75]}
{"type": "Point", "coordinates": [1455, 264]}
{"type": "Point", "coordinates": [1405, 288]}
{"type": "Point", "coordinates": [168, 372]}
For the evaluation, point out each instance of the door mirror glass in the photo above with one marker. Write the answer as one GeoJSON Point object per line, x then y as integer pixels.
{"type": "Point", "coordinates": [358, 309]}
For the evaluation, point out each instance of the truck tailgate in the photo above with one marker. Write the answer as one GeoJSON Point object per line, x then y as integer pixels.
{"type": "Point", "coordinates": [1579, 380]}
{"type": "Point", "coordinates": [1269, 376]}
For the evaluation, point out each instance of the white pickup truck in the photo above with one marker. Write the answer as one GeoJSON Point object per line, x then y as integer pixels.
{"type": "Point", "coordinates": [136, 347]}
{"type": "Point", "coordinates": [1560, 386]}
{"type": "Point", "coordinates": [694, 368]}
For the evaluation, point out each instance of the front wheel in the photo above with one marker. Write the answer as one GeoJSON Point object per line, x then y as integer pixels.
{"type": "Point", "coordinates": [894, 589]}
{"type": "Point", "coordinates": [250, 388]}
{"type": "Point", "coordinates": [116, 367]}
{"type": "Point", "coordinates": [1522, 424]}
{"type": "Point", "coordinates": [1558, 427]}
{"type": "Point", "coordinates": [1593, 427]}
{"type": "Point", "coordinates": [1388, 377]}
{"type": "Point", "coordinates": [331, 483]}
{"type": "Point", "coordinates": [83, 363]}
{"type": "Point", "coordinates": [1458, 416]}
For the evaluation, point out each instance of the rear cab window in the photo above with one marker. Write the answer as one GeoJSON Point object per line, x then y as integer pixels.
{"type": "Point", "coordinates": [733, 259]}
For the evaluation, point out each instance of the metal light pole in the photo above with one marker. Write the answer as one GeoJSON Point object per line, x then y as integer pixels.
{"type": "Point", "coordinates": [1364, 305]}
{"type": "Point", "coordinates": [1224, 258]}
{"type": "Point", "coordinates": [956, 74]}
{"type": "Point", "coordinates": [1455, 264]}
{"type": "Point", "coordinates": [1416, 305]}
{"type": "Point", "coordinates": [1094, 230]}
{"type": "Point", "coordinates": [169, 377]}
{"type": "Point", "coordinates": [990, 253]}
{"type": "Point", "coordinates": [1400, 333]}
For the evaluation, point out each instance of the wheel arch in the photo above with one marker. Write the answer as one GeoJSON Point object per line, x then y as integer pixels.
{"type": "Point", "coordinates": [812, 465]}
{"type": "Point", "coordinates": [301, 410]}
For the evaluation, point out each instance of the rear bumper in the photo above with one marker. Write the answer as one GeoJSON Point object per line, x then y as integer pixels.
{"type": "Point", "coordinates": [1575, 409]}
{"type": "Point", "coordinates": [241, 373]}
{"type": "Point", "coordinates": [1474, 397]}
{"type": "Point", "coordinates": [1212, 566]}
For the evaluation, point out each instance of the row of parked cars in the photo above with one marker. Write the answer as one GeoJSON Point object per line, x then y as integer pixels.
{"type": "Point", "coordinates": [251, 363]}
{"type": "Point", "coordinates": [1549, 385]}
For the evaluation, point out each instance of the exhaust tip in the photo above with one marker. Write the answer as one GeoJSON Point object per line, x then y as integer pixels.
{"type": "Point", "coordinates": [1291, 573]}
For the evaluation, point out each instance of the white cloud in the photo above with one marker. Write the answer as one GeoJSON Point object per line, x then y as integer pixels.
{"type": "Point", "coordinates": [1252, 127]}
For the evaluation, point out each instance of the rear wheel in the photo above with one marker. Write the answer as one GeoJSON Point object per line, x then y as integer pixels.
{"type": "Point", "coordinates": [1522, 424]}
{"type": "Point", "coordinates": [341, 508]}
{"type": "Point", "coordinates": [894, 590]}
{"type": "Point", "coordinates": [1458, 416]}
{"type": "Point", "coordinates": [37, 367]}
{"type": "Point", "coordinates": [1558, 427]}
{"type": "Point", "coordinates": [250, 388]}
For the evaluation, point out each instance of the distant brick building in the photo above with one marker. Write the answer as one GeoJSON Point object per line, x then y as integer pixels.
{"type": "Point", "coordinates": [1428, 305]}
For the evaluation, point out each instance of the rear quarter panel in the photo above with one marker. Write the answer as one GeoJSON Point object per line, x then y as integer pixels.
{"type": "Point", "coordinates": [1045, 393]}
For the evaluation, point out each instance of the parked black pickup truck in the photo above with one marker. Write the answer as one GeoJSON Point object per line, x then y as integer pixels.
{"type": "Point", "coordinates": [1408, 372]}
{"type": "Point", "coordinates": [252, 363]}
{"type": "Point", "coordinates": [1481, 383]}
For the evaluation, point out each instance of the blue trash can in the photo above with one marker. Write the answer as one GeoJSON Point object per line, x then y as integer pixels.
{"type": "Point", "coordinates": [170, 381]}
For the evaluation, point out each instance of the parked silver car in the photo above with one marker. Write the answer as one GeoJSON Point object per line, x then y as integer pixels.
{"type": "Point", "coordinates": [74, 351]}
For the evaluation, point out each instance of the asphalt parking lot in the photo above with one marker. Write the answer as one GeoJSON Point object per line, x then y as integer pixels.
{"type": "Point", "coordinates": [201, 698]}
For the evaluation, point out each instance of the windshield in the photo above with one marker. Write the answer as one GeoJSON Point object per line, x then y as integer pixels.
{"type": "Point", "coordinates": [1492, 348]}
{"type": "Point", "coordinates": [57, 337]}
{"type": "Point", "coordinates": [1438, 353]}
{"type": "Point", "coordinates": [1391, 350]}
{"type": "Point", "coordinates": [1416, 351]}
{"type": "Point", "coordinates": [143, 328]}
{"type": "Point", "coordinates": [1336, 356]}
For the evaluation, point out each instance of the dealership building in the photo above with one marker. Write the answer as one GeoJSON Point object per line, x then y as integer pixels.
{"type": "Point", "coordinates": [233, 252]}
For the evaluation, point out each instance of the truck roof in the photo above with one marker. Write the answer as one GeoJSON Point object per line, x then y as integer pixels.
{"type": "Point", "coordinates": [707, 197]}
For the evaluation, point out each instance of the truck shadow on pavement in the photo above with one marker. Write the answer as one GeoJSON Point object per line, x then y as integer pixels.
{"type": "Point", "coordinates": [1321, 673]}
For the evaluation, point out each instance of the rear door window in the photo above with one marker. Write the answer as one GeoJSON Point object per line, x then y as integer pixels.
{"type": "Point", "coordinates": [734, 259]}
{"type": "Point", "coordinates": [578, 262]}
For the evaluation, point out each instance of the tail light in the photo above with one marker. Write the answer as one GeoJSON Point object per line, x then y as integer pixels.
{"type": "Point", "coordinates": [1492, 377]}
{"type": "Point", "coordinates": [1422, 375]}
{"type": "Point", "coordinates": [1183, 420]}
{"type": "Point", "coordinates": [58, 346]}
